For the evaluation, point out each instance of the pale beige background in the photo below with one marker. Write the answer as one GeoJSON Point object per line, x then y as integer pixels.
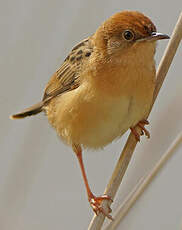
{"type": "Point", "coordinates": [40, 181]}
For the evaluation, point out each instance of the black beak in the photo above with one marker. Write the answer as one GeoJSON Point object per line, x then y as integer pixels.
{"type": "Point", "coordinates": [154, 37]}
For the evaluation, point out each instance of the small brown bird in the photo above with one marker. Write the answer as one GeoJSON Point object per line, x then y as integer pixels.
{"type": "Point", "coordinates": [104, 87]}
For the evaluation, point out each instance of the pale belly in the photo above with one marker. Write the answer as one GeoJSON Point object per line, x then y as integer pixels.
{"type": "Point", "coordinates": [92, 120]}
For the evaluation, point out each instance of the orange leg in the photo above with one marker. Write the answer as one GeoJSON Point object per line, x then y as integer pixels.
{"type": "Point", "coordinates": [141, 124]}
{"type": "Point", "coordinates": [94, 201]}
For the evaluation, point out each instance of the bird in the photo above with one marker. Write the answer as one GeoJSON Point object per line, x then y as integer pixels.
{"type": "Point", "coordinates": [103, 88]}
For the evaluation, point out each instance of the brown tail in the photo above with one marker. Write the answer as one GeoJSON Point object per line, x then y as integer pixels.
{"type": "Point", "coordinates": [34, 109]}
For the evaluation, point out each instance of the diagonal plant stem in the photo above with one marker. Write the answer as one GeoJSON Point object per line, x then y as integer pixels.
{"type": "Point", "coordinates": [130, 145]}
{"type": "Point", "coordinates": [142, 184]}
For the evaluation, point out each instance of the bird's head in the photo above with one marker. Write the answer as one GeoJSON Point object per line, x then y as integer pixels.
{"type": "Point", "coordinates": [126, 30]}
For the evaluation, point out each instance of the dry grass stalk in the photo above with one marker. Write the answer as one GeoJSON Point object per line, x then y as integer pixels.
{"type": "Point", "coordinates": [130, 145]}
{"type": "Point", "coordinates": [142, 184]}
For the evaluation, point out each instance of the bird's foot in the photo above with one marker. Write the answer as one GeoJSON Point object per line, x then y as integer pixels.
{"type": "Point", "coordinates": [96, 204]}
{"type": "Point", "coordinates": [141, 131]}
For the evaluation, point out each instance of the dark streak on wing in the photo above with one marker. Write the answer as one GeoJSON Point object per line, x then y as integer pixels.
{"type": "Point", "coordinates": [82, 43]}
{"type": "Point", "coordinates": [66, 77]}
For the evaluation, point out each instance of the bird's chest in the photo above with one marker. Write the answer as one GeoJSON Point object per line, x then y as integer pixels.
{"type": "Point", "coordinates": [103, 119]}
{"type": "Point", "coordinates": [117, 116]}
{"type": "Point", "coordinates": [118, 105]}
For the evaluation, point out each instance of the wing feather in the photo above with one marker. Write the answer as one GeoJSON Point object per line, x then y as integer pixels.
{"type": "Point", "coordinates": [67, 76]}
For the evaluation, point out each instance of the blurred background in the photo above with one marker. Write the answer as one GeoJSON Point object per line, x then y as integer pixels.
{"type": "Point", "coordinates": [40, 182]}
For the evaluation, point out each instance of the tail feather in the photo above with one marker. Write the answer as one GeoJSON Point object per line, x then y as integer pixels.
{"type": "Point", "coordinates": [33, 110]}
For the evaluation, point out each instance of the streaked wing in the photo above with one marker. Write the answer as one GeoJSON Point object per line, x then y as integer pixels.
{"type": "Point", "coordinates": [66, 77]}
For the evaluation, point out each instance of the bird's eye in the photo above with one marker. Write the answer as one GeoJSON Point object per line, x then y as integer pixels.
{"type": "Point", "coordinates": [128, 35]}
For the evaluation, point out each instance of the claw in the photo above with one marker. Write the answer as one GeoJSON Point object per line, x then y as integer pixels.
{"type": "Point", "coordinates": [143, 130]}
{"type": "Point", "coordinates": [96, 204]}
